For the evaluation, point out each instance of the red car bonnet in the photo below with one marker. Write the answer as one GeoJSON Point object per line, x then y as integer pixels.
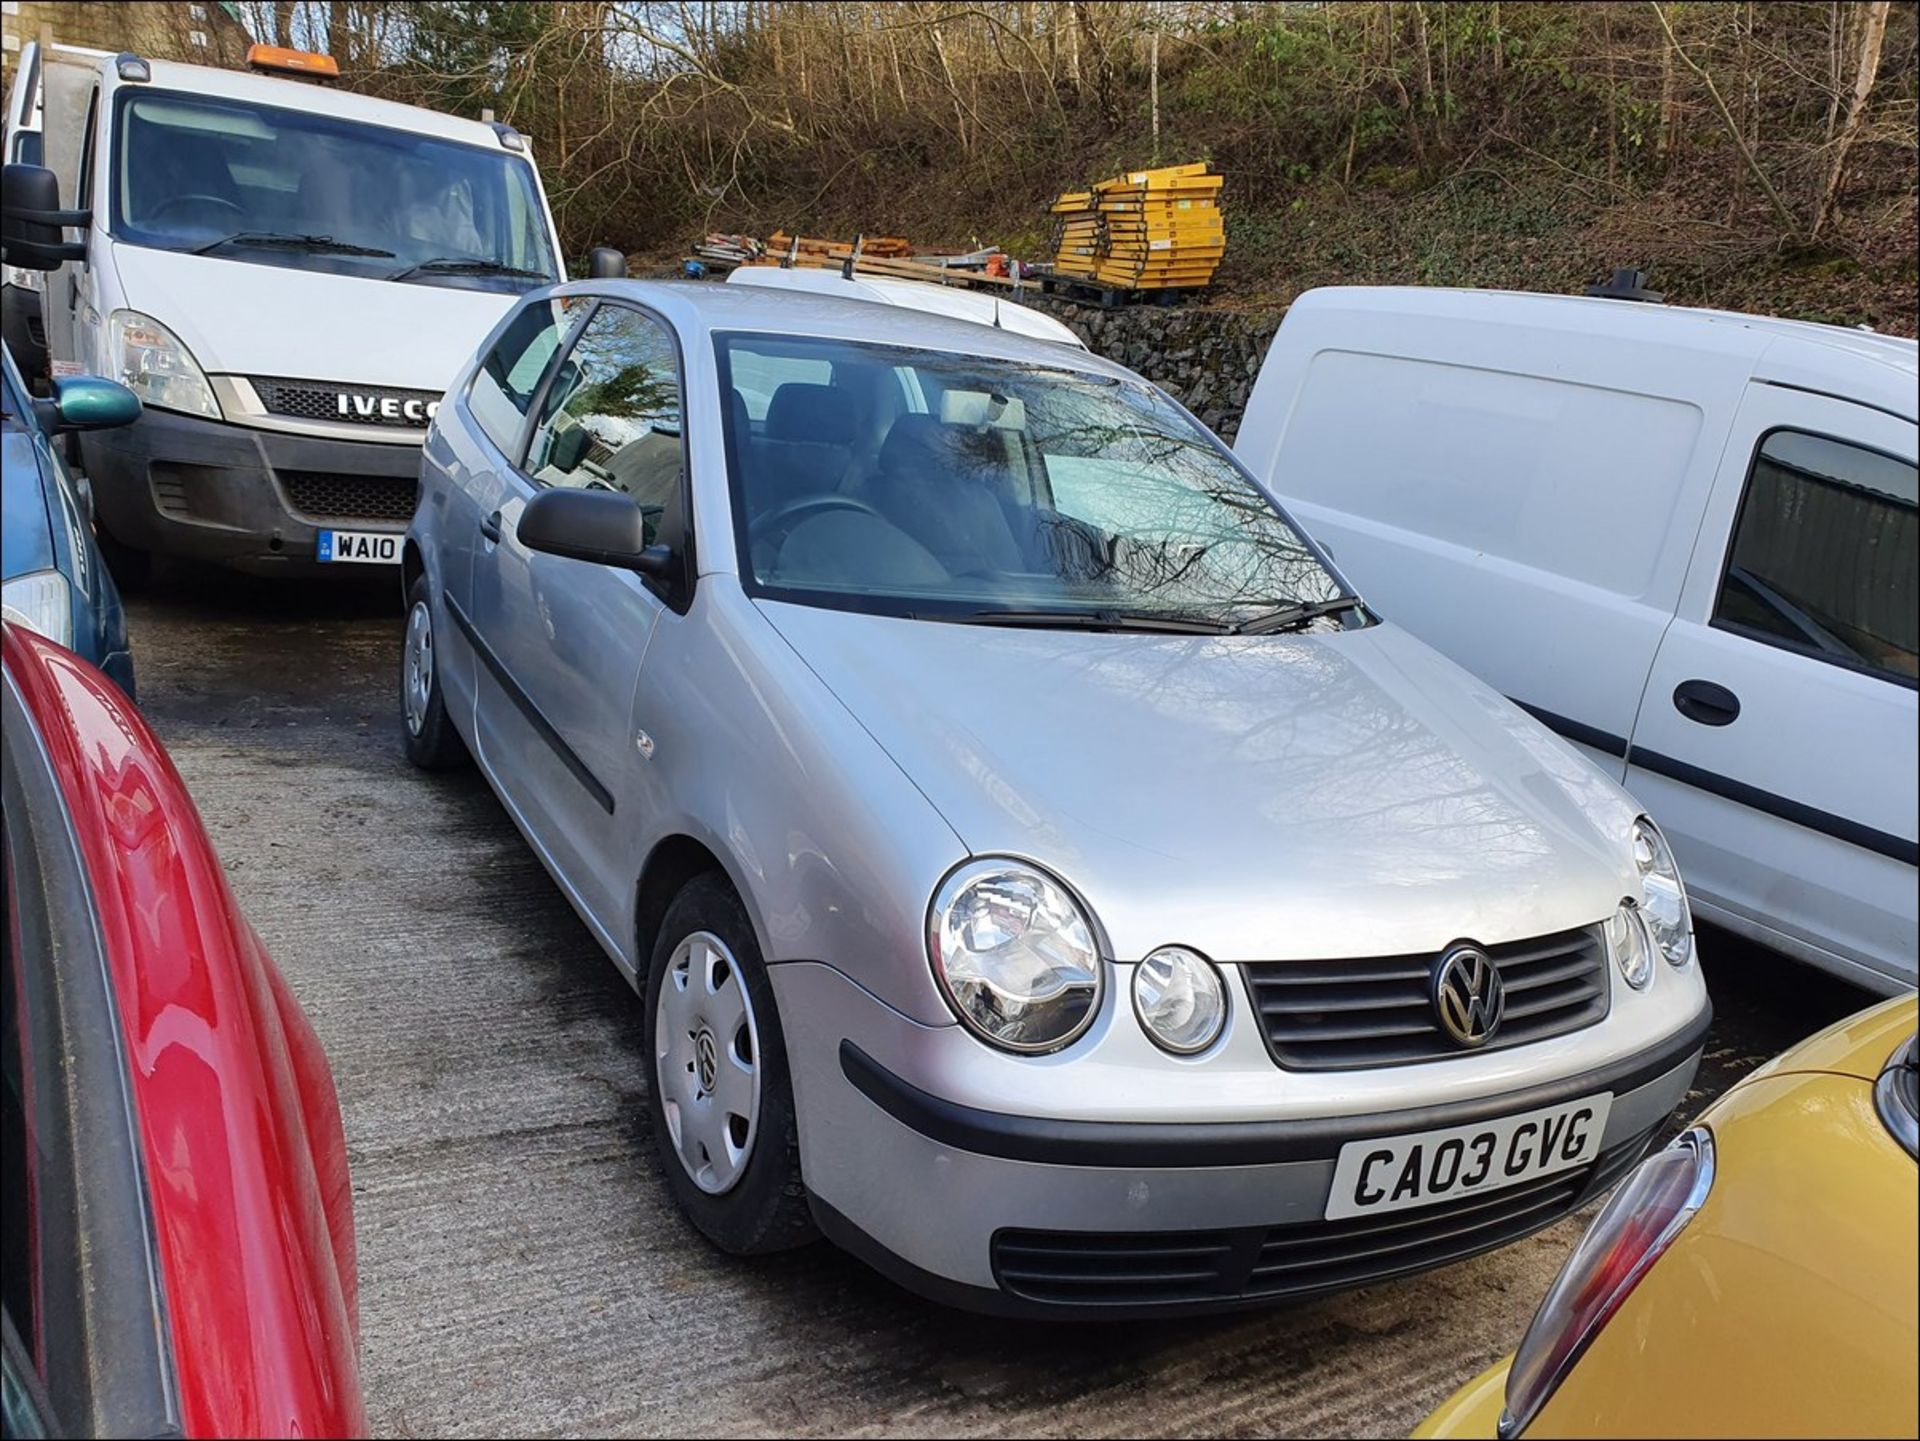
{"type": "Point", "coordinates": [244, 1152]}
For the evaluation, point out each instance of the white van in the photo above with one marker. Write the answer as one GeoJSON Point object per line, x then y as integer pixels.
{"type": "Point", "coordinates": [287, 275]}
{"type": "Point", "coordinates": [1686, 540]}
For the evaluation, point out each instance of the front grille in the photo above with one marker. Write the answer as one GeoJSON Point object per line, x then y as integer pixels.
{"type": "Point", "coordinates": [1345, 1015]}
{"type": "Point", "coordinates": [323, 495]}
{"type": "Point", "coordinates": [321, 400]}
{"type": "Point", "coordinates": [1117, 1270]}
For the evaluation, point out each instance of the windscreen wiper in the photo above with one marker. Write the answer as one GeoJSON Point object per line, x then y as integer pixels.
{"type": "Point", "coordinates": [279, 240]}
{"type": "Point", "coordinates": [1292, 617]}
{"type": "Point", "coordinates": [467, 265]}
{"type": "Point", "coordinates": [1106, 620]}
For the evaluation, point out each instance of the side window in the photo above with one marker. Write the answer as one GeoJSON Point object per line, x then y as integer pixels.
{"type": "Point", "coordinates": [611, 419]}
{"type": "Point", "coordinates": [83, 191]}
{"type": "Point", "coordinates": [1826, 554]}
{"type": "Point", "coordinates": [503, 387]}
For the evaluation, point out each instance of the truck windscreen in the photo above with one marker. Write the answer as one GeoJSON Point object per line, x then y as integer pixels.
{"type": "Point", "coordinates": [273, 186]}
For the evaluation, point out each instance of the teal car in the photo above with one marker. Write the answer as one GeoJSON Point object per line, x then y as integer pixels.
{"type": "Point", "coordinates": [52, 577]}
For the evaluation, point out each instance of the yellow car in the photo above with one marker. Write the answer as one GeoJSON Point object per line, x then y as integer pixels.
{"type": "Point", "coordinates": [1756, 1278]}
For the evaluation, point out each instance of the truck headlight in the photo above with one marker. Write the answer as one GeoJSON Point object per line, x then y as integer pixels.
{"type": "Point", "coordinates": [1669, 917]}
{"type": "Point", "coordinates": [42, 601]}
{"type": "Point", "coordinates": [150, 361]}
{"type": "Point", "coordinates": [1180, 1000]}
{"type": "Point", "coordinates": [1014, 954]}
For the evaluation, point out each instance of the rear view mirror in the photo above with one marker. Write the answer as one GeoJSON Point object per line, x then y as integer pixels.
{"type": "Point", "coordinates": [32, 224]}
{"type": "Point", "coordinates": [86, 402]}
{"type": "Point", "coordinates": [604, 527]}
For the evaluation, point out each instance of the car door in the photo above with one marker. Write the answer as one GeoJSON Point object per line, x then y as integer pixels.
{"type": "Point", "coordinates": [467, 463]}
{"type": "Point", "coordinates": [1776, 739]}
{"type": "Point", "coordinates": [562, 641]}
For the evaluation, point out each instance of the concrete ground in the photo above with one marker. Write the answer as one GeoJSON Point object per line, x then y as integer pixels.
{"type": "Point", "coordinates": [522, 1270]}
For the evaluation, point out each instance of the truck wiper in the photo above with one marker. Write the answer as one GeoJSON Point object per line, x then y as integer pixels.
{"type": "Point", "coordinates": [1107, 620]}
{"type": "Point", "coordinates": [279, 240]}
{"type": "Point", "coordinates": [464, 265]}
{"type": "Point", "coordinates": [1292, 617]}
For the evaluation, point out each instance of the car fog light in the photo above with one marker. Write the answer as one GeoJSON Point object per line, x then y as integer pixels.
{"type": "Point", "coordinates": [1668, 916]}
{"type": "Point", "coordinates": [1180, 1000]}
{"type": "Point", "coordinates": [1631, 942]}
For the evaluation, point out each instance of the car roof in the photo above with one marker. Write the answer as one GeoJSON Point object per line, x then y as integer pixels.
{"type": "Point", "coordinates": [697, 307]}
{"type": "Point", "coordinates": [292, 94]}
{"type": "Point", "coordinates": [1002, 312]}
{"type": "Point", "coordinates": [1859, 365]}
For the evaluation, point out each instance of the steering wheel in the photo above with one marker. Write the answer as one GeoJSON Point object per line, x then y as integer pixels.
{"type": "Point", "coordinates": [173, 201]}
{"type": "Point", "coordinates": [784, 517]}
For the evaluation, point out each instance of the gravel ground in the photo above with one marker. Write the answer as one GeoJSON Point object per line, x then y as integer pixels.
{"type": "Point", "coordinates": [522, 1270]}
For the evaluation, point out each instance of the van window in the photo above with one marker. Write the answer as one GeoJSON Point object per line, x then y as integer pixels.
{"type": "Point", "coordinates": [1575, 480]}
{"type": "Point", "coordinates": [502, 390]}
{"type": "Point", "coordinates": [1826, 554]}
{"type": "Point", "coordinates": [611, 419]}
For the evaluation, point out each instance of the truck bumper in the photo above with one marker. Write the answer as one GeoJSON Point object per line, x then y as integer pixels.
{"type": "Point", "coordinates": [254, 500]}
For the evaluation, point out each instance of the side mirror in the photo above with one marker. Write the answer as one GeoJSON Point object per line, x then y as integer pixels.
{"type": "Point", "coordinates": [603, 527]}
{"type": "Point", "coordinates": [606, 263]}
{"type": "Point", "coordinates": [86, 402]}
{"type": "Point", "coordinates": [32, 224]}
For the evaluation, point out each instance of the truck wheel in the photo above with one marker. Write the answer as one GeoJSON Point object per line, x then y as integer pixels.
{"type": "Point", "coordinates": [426, 732]}
{"type": "Point", "coordinates": [721, 1101]}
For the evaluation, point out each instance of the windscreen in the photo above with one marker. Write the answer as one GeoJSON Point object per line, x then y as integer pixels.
{"type": "Point", "coordinates": [917, 482]}
{"type": "Point", "coordinates": [273, 186]}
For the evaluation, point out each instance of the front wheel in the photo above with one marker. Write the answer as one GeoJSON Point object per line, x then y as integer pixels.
{"type": "Point", "coordinates": [426, 731]}
{"type": "Point", "coordinates": [721, 1101]}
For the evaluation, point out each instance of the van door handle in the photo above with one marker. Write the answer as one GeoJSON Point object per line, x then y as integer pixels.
{"type": "Point", "coordinates": [1706, 703]}
{"type": "Point", "coordinates": [490, 527]}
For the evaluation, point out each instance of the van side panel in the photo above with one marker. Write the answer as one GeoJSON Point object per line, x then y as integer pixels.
{"type": "Point", "coordinates": [1523, 500]}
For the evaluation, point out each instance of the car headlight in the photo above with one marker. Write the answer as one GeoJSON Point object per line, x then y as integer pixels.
{"type": "Point", "coordinates": [1631, 942]}
{"type": "Point", "coordinates": [150, 361]}
{"type": "Point", "coordinates": [42, 601]}
{"type": "Point", "coordinates": [1650, 1209]}
{"type": "Point", "coordinates": [1180, 1000]}
{"type": "Point", "coordinates": [1015, 955]}
{"type": "Point", "coordinates": [1669, 917]}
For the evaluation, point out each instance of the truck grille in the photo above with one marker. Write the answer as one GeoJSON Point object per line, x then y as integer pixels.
{"type": "Point", "coordinates": [323, 495]}
{"type": "Point", "coordinates": [378, 405]}
{"type": "Point", "coordinates": [1344, 1015]}
{"type": "Point", "coordinates": [1157, 1268]}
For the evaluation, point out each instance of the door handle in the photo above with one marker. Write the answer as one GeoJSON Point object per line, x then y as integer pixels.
{"type": "Point", "coordinates": [1705, 702]}
{"type": "Point", "coordinates": [490, 527]}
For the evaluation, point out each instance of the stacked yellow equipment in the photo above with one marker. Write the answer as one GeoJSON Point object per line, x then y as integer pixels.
{"type": "Point", "coordinates": [1146, 230]}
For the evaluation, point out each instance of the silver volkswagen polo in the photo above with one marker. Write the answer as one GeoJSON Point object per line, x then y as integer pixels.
{"type": "Point", "coordinates": [1044, 875]}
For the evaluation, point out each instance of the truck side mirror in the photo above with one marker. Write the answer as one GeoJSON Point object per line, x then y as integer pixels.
{"type": "Point", "coordinates": [32, 222]}
{"type": "Point", "coordinates": [606, 263]}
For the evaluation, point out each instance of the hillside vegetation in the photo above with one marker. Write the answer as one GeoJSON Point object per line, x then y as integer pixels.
{"type": "Point", "coordinates": [1758, 156]}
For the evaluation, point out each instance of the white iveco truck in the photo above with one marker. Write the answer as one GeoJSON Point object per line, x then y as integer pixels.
{"type": "Point", "coordinates": [287, 275]}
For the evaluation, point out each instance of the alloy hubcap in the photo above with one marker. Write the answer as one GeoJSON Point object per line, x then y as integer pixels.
{"type": "Point", "coordinates": [707, 1062]}
{"type": "Point", "coordinates": [416, 683]}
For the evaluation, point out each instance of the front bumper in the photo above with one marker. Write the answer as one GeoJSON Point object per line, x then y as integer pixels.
{"type": "Point", "coordinates": [1024, 1215]}
{"type": "Point", "coordinates": [255, 500]}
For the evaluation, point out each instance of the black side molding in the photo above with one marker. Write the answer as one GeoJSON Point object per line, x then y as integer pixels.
{"type": "Point", "coordinates": [1826, 822]}
{"type": "Point", "coordinates": [1166, 1145]}
{"type": "Point", "coordinates": [1787, 809]}
{"type": "Point", "coordinates": [523, 702]}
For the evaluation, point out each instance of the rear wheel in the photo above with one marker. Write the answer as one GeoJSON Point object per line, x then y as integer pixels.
{"type": "Point", "coordinates": [721, 1101]}
{"type": "Point", "coordinates": [427, 733]}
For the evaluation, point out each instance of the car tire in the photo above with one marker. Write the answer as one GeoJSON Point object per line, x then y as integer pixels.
{"type": "Point", "coordinates": [753, 1204]}
{"type": "Point", "coordinates": [426, 731]}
